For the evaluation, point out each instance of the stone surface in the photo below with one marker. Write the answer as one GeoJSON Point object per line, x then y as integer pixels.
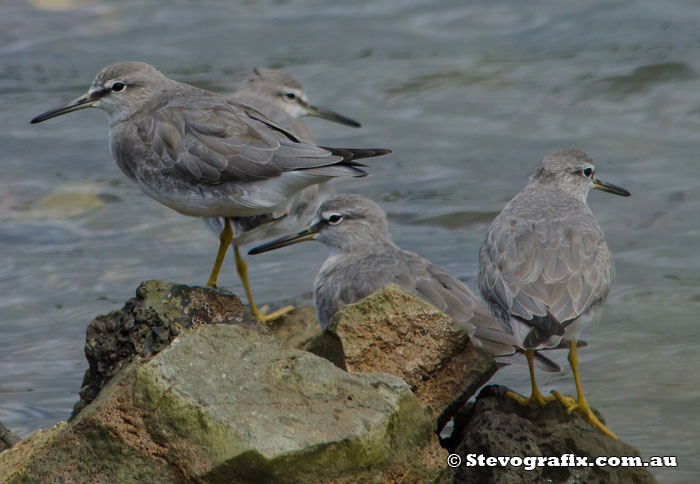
{"type": "Point", "coordinates": [15, 461]}
{"type": "Point", "coordinates": [498, 426]}
{"type": "Point", "coordinates": [148, 323]}
{"type": "Point", "coordinates": [297, 328]}
{"type": "Point", "coordinates": [7, 438]}
{"type": "Point", "coordinates": [394, 332]}
{"type": "Point", "coordinates": [223, 404]}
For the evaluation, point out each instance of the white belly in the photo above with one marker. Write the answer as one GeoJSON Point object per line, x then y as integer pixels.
{"type": "Point", "coordinates": [232, 199]}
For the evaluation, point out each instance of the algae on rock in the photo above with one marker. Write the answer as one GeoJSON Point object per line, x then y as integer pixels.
{"type": "Point", "coordinates": [395, 332]}
{"type": "Point", "coordinates": [223, 404]}
{"type": "Point", "coordinates": [148, 323]}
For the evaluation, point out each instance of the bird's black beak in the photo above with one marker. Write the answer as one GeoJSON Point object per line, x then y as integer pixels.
{"type": "Point", "coordinates": [329, 115]}
{"type": "Point", "coordinates": [599, 184]}
{"type": "Point", "coordinates": [85, 101]}
{"type": "Point", "coordinates": [307, 234]}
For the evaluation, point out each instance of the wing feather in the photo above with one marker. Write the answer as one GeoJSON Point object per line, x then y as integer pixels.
{"type": "Point", "coordinates": [216, 140]}
{"type": "Point", "coordinates": [544, 268]}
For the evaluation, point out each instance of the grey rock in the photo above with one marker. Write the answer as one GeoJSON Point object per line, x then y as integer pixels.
{"type": "Point", "coordinates": [223, 404]}
{"type": "Point", "coordinates": [148, 323]}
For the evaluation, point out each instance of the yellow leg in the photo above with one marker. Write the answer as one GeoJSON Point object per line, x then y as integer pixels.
{"type": "Point", "coordinates": [243, 274]}
{"type": "Point", "coordinates": [580, 405]}
{"type": "Point", "coordinates": [536, 396]}
{"type": "Point", "coordinates": [224, 241]}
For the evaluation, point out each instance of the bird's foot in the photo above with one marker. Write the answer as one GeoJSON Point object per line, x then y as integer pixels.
{"type": "Point", "coordinates": [567, 400]}
{"type": "Point", "coordinates": [263, 316]}
{"type": "Point", "coordinates": [535, 399]}
{"type": "Point", "coordinates": [581, 406]}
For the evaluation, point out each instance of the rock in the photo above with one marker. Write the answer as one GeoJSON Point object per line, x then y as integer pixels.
{"type": "Point", "coordinates": [223, 404]}
{"type": "Point", "coordinates": [68, 200]}
{"type": "Point", "coordinates": [148, 323]}
{"type": "Point", "coordinates": [296, 328]}
{"type": "Point", "coordinates": [394, 332]}
{"type": "Point", "coordinates": [7, 438]}
{"type": "Point", "coordinates": [498, 426]}
{"type": "Point", "coordinates": [14, 463]}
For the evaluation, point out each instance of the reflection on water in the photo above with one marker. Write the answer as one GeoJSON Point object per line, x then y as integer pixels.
{"type": "Point", "coordinates": [470, 97]}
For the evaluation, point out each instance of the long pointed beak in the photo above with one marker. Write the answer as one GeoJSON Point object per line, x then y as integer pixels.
{"type": "Point", "coordinates": [599, 184]}
{"type": "Point", "coordinates": [84, 101]}
{"type": "Point", "coordinates": [329, 115]}
{"type": "Point", "coordinates": [307, 234]}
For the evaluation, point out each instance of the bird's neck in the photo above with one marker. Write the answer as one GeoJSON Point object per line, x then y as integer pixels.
{"type": "Point", "coordinates": [353, 245]}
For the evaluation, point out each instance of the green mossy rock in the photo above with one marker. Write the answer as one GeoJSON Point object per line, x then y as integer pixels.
{"type": "Point", "coordinates": [224, 404]}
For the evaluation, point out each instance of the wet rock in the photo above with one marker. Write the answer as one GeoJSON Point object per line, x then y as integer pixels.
{"type": "Point", "coordinates": [148, 323]}
{"type": "Point", "coordinates": [7, 438]}
{"type": "Point", "coordinates": [223, 404]}
{"type": "Point", "coordinates": [498, 426]}
{"type": "Point", "coordinates": [66, 201]}
{"type": "Point", "coordinates": [394, 332]}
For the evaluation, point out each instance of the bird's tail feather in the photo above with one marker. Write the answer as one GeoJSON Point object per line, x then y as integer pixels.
{"type": "Point", "coordinates": [349, 154]}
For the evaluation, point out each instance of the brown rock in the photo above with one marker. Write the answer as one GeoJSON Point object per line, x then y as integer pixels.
{"type": "Point", "coordinates": [496, 425]}
{"type": "Point", "coordinates": [394, 332]}
{"type": "Point", "coordinates": [148, 323]}
{"type": "Point", "coordinates": [15, 462]}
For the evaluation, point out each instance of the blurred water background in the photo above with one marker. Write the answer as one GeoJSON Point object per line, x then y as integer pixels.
{"type": "Point", "coordinates": [469, 95]}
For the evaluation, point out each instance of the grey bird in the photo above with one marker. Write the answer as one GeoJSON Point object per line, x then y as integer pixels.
{"type": "Point", "coordinates": [204, 154]}
{"type": "Point", "coordinates": [362, 258]}
{"type": "Point", "coordinates": [545, 268]}
{"type": "Point", "coordinates": [279, 96]}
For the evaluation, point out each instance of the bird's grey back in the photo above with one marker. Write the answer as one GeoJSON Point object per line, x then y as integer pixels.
{"type": "Point", "coordinates": [197, 137]}
{"type": "Point", "coordinates": [350, 277]}
{"type": "Point", "coordinates": [544, 255]}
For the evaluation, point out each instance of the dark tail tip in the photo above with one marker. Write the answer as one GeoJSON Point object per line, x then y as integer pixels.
{"type": "Point", "coordinates": [357, 153]}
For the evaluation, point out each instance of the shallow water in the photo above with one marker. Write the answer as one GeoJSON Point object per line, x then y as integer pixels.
{"type": "Point", "coordinates": [469, 96]}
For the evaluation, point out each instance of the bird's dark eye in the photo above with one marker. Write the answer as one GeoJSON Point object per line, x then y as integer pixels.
{"type": "Point", "coordinates": [118, 86]}
{"type": "Point", "coordinates": [335, 219]}
{"type": "Point", "coordinates": [290, 96]}
{"type": "Point", "coordinates": [588, 172]}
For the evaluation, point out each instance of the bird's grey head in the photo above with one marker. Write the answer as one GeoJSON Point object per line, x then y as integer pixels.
{"type": "Point", "coordinates": [350, 221]}
{"type": "Point", "coordinates": [344, 223]}
{"type": "Point", "coordinates": [277, 88]}
{"type": "Point", "coordinates": [573, 171]}
{"type": "Point", "coordinates": [120, 89]}
{"type": "Point", "coordinates": [283, 91]}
